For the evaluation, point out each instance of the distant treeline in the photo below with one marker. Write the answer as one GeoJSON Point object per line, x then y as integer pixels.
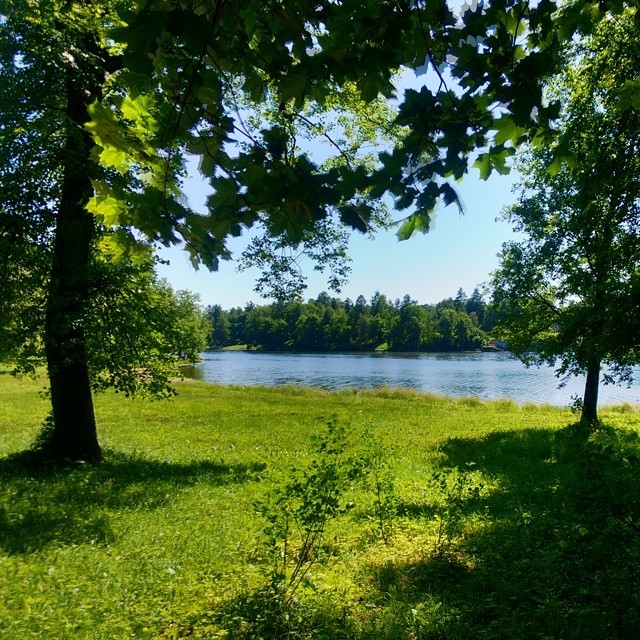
{"type": "Point", "coordinates": [330, 324]}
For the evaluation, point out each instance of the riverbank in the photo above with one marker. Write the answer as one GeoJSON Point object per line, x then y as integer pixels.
{"type": "Point", "coordinates": [476, 519]}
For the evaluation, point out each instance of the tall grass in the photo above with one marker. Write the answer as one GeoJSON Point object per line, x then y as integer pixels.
{"type": "Point", "coordinates": [506, 524]}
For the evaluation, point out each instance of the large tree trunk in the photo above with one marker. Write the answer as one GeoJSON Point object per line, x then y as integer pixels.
{"type": "Point", "coordinates": [589, 417]}
{"type": "Point", "coordinates": [74, 428]}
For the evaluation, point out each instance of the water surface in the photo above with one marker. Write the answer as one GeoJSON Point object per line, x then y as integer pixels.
{"type": "Point", "coordinates": [485, 375]}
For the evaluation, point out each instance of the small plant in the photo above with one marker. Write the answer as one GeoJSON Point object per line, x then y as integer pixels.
{"type": "Point", "coordinates": [297, 512]}
{"type": "Point", "coordinates": [379, 481]}
{"type": "Point", "coordinates": [455, 490]}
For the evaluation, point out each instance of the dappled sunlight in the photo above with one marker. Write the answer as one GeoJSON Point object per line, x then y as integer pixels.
{"type": "Point", "coordinates": [554, 553]}
{"type": "Point", "coordinates": [75, 505]}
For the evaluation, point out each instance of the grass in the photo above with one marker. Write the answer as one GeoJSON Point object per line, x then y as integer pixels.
{"type": "Point", "coordinates": [505, 523]}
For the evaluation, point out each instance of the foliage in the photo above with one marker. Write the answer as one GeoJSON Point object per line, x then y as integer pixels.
{"type": "Point", "coordinates": [377, 462]}
{"type": "Point", "coordinates": [453, 492]}
{"type": "Point", "coordinates": [352, 128]}
{"type": "Point", "coordinates": [332, 324]}
{"type": "Point", "coordinates": [124, 92]}
{"type": "Point", "coordinates": [282, 277]}
{"type": "Point", "coordinates": [484, 94]}
{"type": "Point", "coordinates": [413, 328]}
{"type": "Point", "coordinates": [298, 511]}
{"type": "Point", "coordinates": [26, 217]}
{"type": "Point", "coordinates": [135, 327]}
{"type": "Point", "coordinates": [569, 290]}
{"type": "Point", "coordinates": [139, 330]}
{"type": "Point", "coordinates": [243, 88]}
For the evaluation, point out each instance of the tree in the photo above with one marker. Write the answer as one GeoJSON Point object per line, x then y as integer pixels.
{"type": "Point", "coordinates": [188, 324]}
{"type": "Point", "coordinates": [76, 296]}
{"type": "Point", "coordinates": [413, 330]}
{"type": "Point", "coordinates": [309, 330]}
{"type": "Point", "coordinates": [457, 331]}
{"type": "Point", "coordinates": [569, 290]}
{"type": "Point", "coordinates": [219, 335]}
{"type": "Point", "coordinates": [125, 90]}
{"type": "Point", "coordinates": [383, 318]}
{"type": "Point", "coordinates": [476, 305]}
{"type": "Point", "coordinates": [139, 331]}
{"type": "Point", "coordinates": [265, 328]}
{"type": "Point", "coordinates": [25, 219]}
{"type": "Point", "coordinates": [123, 93]}
{"type": "Point", "coordinates": [461, 300]}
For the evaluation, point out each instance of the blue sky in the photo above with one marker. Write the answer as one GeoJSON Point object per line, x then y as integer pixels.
{"type": "Point", "coordinates": [458, 252]}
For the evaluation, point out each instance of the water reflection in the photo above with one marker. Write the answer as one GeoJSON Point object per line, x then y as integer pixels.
{"type": "Point", "coordinates": [486, 375]}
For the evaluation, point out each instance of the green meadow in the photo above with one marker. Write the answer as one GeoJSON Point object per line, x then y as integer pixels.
{"type": "Point", "coordinates": [233, 512]}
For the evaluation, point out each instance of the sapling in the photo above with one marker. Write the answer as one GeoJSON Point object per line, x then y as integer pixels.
{"type": "Point", "coordinates": [297, 512]}
{"type": "Point", "coordinates": [378, 479]}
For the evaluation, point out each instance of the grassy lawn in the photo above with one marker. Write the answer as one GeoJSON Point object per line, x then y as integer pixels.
{"type": "Point", "coordinates": [476, 520]}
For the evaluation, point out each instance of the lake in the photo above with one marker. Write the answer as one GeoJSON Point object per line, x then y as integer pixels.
{"type": "Point", "coordinates": [485, 375]}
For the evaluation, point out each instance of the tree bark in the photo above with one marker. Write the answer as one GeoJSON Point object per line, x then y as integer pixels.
{"type": "Point", "coordinates": [589, 416]}
{"type": "Point", "coordinates": [74, 434]}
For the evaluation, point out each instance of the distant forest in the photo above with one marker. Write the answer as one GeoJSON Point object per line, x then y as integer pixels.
{"type": "Point", "coordinates": [331, 324]}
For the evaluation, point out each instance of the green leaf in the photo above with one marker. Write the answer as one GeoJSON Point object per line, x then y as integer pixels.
{"type": "Point", "coordinates": [416, 222]}
{"type": "Point", "coordinates": [355, 217]}
{"type": "Point", "coordinates": [483, 164]}
{"type": "Point", "coordinates": [107, 209]}
{"type": "Point", "coordinates": [136, 108]}
{"type": "Point", "coordinates": [293, 87]}
{"type": "Point", "coordinates": [225, 196]}
{"type": "Point", "coordinates": [255, 86]}
{"type": "Point", "coordinates": [493, 160]}
{"type": "Point", "coordinates": [629, 95]}
{"type": "Point", "coordinates": [370, 87]}
{"type": "Point", "coordinates": [116, 158]}
{"type": "Point", "coordinates": [507, 131]}
{"type": "Point", "coordinates": [450, 196]}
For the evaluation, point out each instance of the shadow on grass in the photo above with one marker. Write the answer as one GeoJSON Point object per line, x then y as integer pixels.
{"type": "Point", "coordinates": [263, 614]}
{"type": "Point", "coordinates": [554, 552]}
{"type": "Point", "coordinates": [71, 505]}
